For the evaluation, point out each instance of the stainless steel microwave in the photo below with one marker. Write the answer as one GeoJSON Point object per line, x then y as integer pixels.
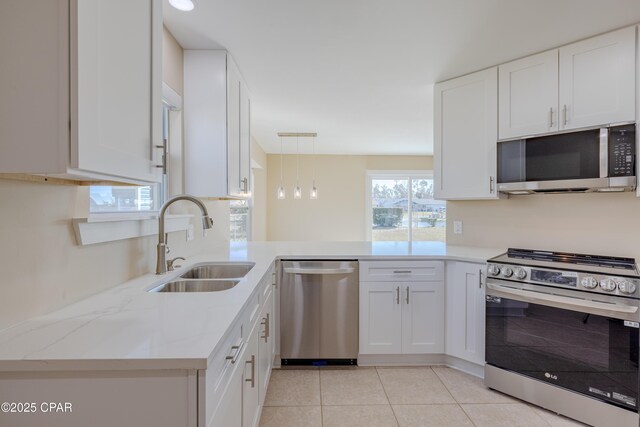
{"type": "Point", "coordinates": [601, 159]}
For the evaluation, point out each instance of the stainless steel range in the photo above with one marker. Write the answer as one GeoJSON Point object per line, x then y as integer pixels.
{"type": "Point", "coordinates": [562, 332]}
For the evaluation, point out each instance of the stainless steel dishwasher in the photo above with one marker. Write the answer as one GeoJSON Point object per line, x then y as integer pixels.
{"type": "Point", "coordinates": [319, 312]}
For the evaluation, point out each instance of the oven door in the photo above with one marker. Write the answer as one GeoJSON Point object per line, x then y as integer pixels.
{"type": "Point", "coordinates": [589, 347]}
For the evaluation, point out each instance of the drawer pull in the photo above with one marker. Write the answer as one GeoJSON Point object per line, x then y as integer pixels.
{"type": "Point", "coordinates": [236, 350]}
{"type": "Point", "coordinates": [402, 271]}
{"type": "Point", "coordinates": [252, 380]}
{"type": "Point", "coordinates": [265, 322]}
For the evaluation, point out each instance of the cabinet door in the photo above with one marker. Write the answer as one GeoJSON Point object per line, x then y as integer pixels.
{"type": "Point", "coordinates": [245, 139]}
{"type": "Point", "coordinates": [465, 311]}
{"type": "Point", "coordinates": [380, 318]}
{"type": "Point", "coordinates": [422, 317]}
{"type": "Point", "coordinates": [265, 346]}
{"type": "Point", "coordinates": [233, 128]}
{"type": "Point", "coordinates": [597, 80]}
{"type": "Point", "coordinates": [528, 95]}
{"type": "Point", "coordinates": [116, 88]}
{"type": "Point", "coordinates": [466, 132]}
{"type": "Point", "coordinates": [250, 380]}
{"type": "Point", "coordinates": [229, 412]}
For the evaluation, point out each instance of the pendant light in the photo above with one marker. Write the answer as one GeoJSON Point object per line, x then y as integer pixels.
{"type": "Point", "coordinates": [281, 193]}
{"type": "Point", "coordinates": [297, 192]}
{"type": "Point", "coordinates": [313, 194]}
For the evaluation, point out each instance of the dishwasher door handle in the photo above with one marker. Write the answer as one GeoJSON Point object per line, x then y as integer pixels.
{"type": "Point", "coordinates": [319, 270]}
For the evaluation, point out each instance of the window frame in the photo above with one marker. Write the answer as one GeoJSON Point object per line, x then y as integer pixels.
{"type": "Point", "coordinates": [391, 174]}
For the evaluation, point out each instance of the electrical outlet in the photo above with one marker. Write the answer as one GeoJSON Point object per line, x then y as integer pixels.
{"type": "Point", "coordinates": [457, 227]}
{"type": "Point", "coordinates": [190, 232]}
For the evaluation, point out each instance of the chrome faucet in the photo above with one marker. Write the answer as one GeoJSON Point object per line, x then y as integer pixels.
{"type": "Point", "coordinates": [161, 264]}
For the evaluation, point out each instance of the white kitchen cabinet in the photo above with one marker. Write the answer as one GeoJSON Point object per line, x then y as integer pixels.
{"type": "Point", "coordinates": [217, 126]}
{"type": "Point", "coordinates": [229, 412]}
{"type": "Point", "coordinates": [598, 79]}
{"type": "Point", "coordinates": [465, 307]}
{"type": "Point", "coordinates": [401, 317]}
{"type": "Point", "coordinates": [251, 382]}
{"type": "Point", "coordinates": [400, 311]}
{"type": "Point", "coordinates": [266, 346]}
{"type": "Point", "coordinates": [584, 84]}
{"type": "Point", "coordinates": [528, 95]}
{"type": "Point", "coordinates": [81, 96]}
{"type": "Point", "coordinates": [466, 132]}
{"type": "Point", "coordinates": [422, 317]}
{"type": "Point", "coordinates": [380, 318]}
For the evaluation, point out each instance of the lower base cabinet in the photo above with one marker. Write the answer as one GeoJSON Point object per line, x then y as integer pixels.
{"type": "Point", "coordinates": [251, 381]}
{"type": "Point", "coordinates": [401, 317]}
{"type": "Point", "coordinates": [465, 308]}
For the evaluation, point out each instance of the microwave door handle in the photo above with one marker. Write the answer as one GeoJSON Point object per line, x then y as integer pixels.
{"type": "Point", "coordinates": [618, 311]}
{"type": "Point", "coordinates": [604, 152]}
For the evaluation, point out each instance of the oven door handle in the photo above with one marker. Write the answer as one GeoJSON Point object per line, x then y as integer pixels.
{"type": "Point", "coordinates": [618, 311]}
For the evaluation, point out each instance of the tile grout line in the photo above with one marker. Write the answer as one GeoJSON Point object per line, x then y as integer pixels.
{"type": "Point", "coordinates": [444, 385]}
{"type": "Point", "coordinates": [387, 396]}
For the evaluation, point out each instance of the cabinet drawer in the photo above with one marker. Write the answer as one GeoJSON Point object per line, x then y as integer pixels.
{"type": "Point", "coordinates": [251, 313]}
{"type": "Point", "coordinates": [401, 271]}
{"type": "Point", "coordinates": [221, 368]}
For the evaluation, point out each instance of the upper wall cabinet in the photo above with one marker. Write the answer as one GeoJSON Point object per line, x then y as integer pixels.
{"type": "Point", "coordinates": [585, 84]}
{"type": "Point", "coordinates": [598, 80]}
{"type": "Point", "coordinates": [528, 95]}
{"type": "Point", "coordinates": [81, 89]}
{"type": "Point", "coordinates": [466, 131]}
{"type": "Point", "coordinates": [217, 126]}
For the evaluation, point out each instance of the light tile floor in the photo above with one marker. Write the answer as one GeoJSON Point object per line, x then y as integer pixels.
{"type": "Point", "coordinates": [412, 396]}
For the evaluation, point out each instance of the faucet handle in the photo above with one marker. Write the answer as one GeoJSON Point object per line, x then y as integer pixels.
{"type": "Point", "coordinates": [170, 266]}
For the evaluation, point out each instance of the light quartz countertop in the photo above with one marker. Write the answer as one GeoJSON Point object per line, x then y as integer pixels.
{"type": "Point", "coordinates": [127, 327]}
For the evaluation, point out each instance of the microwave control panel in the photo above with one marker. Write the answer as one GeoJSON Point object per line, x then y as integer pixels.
{"type": "Point", "coordinates": [622, 151]}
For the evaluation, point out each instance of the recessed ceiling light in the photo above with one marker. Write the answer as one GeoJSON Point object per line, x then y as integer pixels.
{"type": "Point", "coordinates": [184, 5]}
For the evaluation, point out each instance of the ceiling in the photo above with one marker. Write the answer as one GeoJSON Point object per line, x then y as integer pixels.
{"type": "Point", "coordinates": [361, 72]}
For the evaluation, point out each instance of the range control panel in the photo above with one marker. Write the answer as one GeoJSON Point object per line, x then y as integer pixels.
{"type": "Point", "coordinates": [590, 282]}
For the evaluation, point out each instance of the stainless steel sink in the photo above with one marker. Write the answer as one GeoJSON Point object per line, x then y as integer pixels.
{"type": "Point", "coordinates": [219, 270]}
{"type": "Point", "coordinates": [195, 286]}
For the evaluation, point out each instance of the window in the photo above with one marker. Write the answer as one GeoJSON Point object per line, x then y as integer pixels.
{"type": "Point", "coordinates": [402, 208]}
{"type": "Point", "coordinates": [239, 220]}
{"type": "Point", "coordinates": [130, 198]}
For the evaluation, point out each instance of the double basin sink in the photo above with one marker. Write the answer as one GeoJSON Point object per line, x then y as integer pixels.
{"type": "Point", "coordinates": [209, 277]}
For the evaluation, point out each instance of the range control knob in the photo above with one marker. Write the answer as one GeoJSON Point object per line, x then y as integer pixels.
{"type": "Point", "coordinates": [589, 282]}
{"type": "Point", "coordinates": [608, 285]}
{"type": "Point", "coordinates": [507, 271]}
{"type": "Point", "coordinates": [493, 269]}
{"type": "Point", "coordinates": [627, 287]}
{"type": "Point", "coordinates": [520, 273]}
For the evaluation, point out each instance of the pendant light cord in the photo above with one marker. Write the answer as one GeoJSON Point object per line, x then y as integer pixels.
{"type": "Point", "coordinates": [281, 175]}
{"type": "Point", "coordinates": [297, 161]}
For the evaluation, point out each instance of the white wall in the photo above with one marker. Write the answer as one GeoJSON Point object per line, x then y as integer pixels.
{"type": "Point", "coordinates": [606, 224]}
{"type": "Point", "coordinates": [339, 212]}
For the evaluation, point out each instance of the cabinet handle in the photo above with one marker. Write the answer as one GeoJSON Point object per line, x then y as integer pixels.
{"type": "Point", "coordinates": [397, 294]}
{"type": "Point", "coordinates": [163, 165]}
{"type": "Point", "coordinates": [274, 281]}
{"type": "Point", "coordinates": [565, 119]}
{"type": "Point", "coordinates": [245, 185]}
{"type": "Point", "coordinates": [252, 380]}
{"type": "Point", "coordinates": [480, 278]}
{"type": "Point", "coordinates": [402, 271]}
{"type": "Point", "coordinates": [551, 117]}
{"type": "Point", "coordinates": [407, 295]}
{"type": "Point", "coordinates": [238, 349]}
{"type": "Point", "coordinates": [265, 322]}
{"type": "Point", "coordinates": [490, 184]}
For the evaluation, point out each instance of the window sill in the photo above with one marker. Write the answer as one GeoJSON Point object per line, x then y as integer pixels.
{"type": "Point", "coordinates": [109, 228]}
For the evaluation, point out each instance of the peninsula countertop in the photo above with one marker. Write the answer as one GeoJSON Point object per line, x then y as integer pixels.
{"type": "Point", "coordinates": [127, 327]}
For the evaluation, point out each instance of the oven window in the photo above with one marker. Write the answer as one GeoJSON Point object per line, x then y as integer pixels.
{"type": "Point", "coordinates": [593, 355]}
{"type": "Point", "coordinates": [568, 156]}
